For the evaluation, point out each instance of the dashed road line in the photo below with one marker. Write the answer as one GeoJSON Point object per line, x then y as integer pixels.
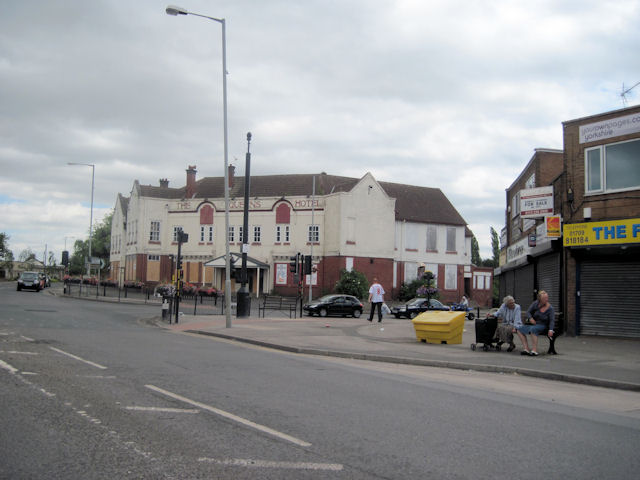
{"type": "Point", "coordinates": [97, 365]}
{"type": "Point", "coordinates": [243, 462]}
{"type": "Point", "coordinates": [163, 410]}
{"type": "Point", "coordinates": [231, 416]}
{"type": "Point", "coordinates": [8, 367]}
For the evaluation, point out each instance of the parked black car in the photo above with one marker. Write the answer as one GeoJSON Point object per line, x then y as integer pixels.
{"type": "Point", "coordinates": [416, 306]}
{"type": "Point", "coordinates": [335, 305]}
{"type": "Point", "coordinates": [29, 280]}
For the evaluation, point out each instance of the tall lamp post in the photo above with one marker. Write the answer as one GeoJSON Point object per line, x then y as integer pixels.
{"type": "Point", "coordinates": [173, 10]}
{"type": "Point", "coordinates": [93, 171]}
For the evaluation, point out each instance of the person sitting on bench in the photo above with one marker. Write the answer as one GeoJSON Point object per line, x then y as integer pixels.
{"type": "Point", "coordinates": [540, 318]}
{"type": "Point", "coordinates": [509, 313]}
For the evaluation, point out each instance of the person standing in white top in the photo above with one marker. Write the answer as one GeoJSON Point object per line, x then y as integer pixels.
{"type": "Point", "coordinates": [376, 298]}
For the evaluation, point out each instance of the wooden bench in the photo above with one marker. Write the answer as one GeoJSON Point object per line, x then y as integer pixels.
{"type": "Point", "coordinates": [558, 330]}
{"type": "Point", "coordinates": [271, 302]}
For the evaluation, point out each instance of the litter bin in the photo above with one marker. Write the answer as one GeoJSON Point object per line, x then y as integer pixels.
{"type": "Point", "coordinates": [439, 327]}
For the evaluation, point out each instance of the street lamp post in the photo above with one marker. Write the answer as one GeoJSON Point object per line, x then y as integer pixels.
{"type": "Point", "coordinates": [93, 171]}
{"type": "Point", "coordinates": [173, 10]}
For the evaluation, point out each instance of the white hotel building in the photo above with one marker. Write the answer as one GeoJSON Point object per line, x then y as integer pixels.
{"type": "Point", "coordinates": [382, 229]}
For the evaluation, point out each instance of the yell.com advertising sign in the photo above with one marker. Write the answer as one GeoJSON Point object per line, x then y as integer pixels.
{"type": "Point", "coordinates": [602, 233]}
{"type": "Point", "coordinates": [614, 127]}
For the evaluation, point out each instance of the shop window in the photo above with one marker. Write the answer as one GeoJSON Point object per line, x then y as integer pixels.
{"type": "Point", "coordinates": [612, 167]}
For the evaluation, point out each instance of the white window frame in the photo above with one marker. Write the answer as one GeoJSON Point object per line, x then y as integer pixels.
{"type": "Point", "coordinates": [602, 149]}
{"type": "Point", "coordinates": [432, 234]}
{"type": "Point", "coordinates": [153, 258]}
{"type": "Point", "coordinates": [240, 233]}
{"type": "Point", "coordinates": [176, 229]}
{"type": "Point", "coordinates": [450, 277]}
{"type": "Point", "coordinates": [313, 234]}
{"type": "Point", "coordinates": [206, 233]}
{"type": "Point", "coordinates": [451, 239]}
{"type": "Point", "coordinates": [154, 233]}
{"type": "Point", "coordinates": [231, 234]}
{"type": "Point", "coordinates": [257, 234]}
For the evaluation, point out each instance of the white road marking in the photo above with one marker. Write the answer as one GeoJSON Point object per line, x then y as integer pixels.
{"type": "Point", "coordinates": [15, 352]}
{"type": "Point", "coordinates": [28, 339]}
{"type": "Point", "coordinates": [242, 462]}
{"type": "Point", "coordinates": [163, 410]}
{"type": "Point", "coordinates": [29, 373]}
{"type": "Point", "coordinates": [78, 358]}
{"type": "Point", "coordinates": [106, 377]}
{"type": "Point", "coordinates": [6, 366]}
{"type": "Point", "coordinates": [231, 416]}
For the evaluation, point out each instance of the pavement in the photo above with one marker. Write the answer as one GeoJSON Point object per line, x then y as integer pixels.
{"type": "Point", "coordinates": [590, 360]}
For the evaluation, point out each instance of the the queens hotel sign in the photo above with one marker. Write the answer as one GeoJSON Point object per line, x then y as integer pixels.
{"type": "Point", "coordinates": [602, 233]}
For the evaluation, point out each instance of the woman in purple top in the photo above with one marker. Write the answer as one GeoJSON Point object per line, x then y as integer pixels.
{"type": "Point", "coordinates": [540, 317]}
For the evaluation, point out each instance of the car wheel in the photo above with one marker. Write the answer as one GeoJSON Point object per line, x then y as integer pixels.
{"type": "Point", "coordinates": [323, 312]}
{"type": "Point", "coordinates": [397, 315]}
{"type": "Point", "coordinates": [357, 313]}
{"type": "Point", "coordinates": [310, 314]}
{"type": "Point", "coordinates": [19, 288]}
{"type": "Point", "coordinates": [471, 316]}
{"type": "Point", "coordinates": [412, 315]}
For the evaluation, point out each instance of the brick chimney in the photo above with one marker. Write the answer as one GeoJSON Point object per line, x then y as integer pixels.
{"type": "Point", "coordinates": [191, 181]}
{"type": "Point", "coordinates": [164, 183]}
{"type": "Point", "coordinates": [232, 171]}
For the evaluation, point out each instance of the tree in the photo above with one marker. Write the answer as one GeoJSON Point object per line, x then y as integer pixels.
{"type": "Point", "coordinates": [100, 247]}
{"type": "Point", "coordinates": [352, 283]}
{"type": "Point", "coordinates": [475, 251]}
{"type": "Point", "coordinates": [6, 255]}
{"type": "Point", "coordinates": [27, 256]}
{"type": "Point", "coordinates": [4, 245]}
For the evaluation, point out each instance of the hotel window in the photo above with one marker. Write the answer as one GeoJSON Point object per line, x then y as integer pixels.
{"type": "Point", "coordinates": [240, 235]}
{"type": "Point", "coordinates": [314, 234]}
{"type": "Point", "coordinates": [232, 234]}
{"type": "Point", "coordinates": [154, 232]}
{"type": "Point", "coordinates": [612, 167]}
{"type": "Point", "coordinates": [257, 233]}
{"type": "Point", "coordinates": [176, 229]}
{"type": "Point", "coordinates": [206, 233]}
{"type": "Point", "coordinates": [154, 258]}
{"type": "Point", "coordinates": [450, 277]}
{"type": "Point", "coordinates": [282, 233]}
{"type": "Point", "coordinates": [451, 239]}
{"type": "Point", "coordinates": [432, 238]}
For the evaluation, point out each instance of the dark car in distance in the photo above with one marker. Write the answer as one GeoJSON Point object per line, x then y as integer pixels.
{"type": "Point", "coordinates": [335, 305]}
{"type": "Point", "coordinates": [416, 306]}
{"type": "Point", "coordinates": [29, 280]}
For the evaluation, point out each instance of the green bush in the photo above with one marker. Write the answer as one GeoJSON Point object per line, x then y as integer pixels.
{"type": "Point", "coordinates": [423, 286]}
{"type": "Point", "coordinates": [352, 283]}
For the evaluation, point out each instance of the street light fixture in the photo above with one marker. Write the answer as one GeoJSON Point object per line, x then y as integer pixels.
{"type": "Point", "coordinates": [175, 11]}
{"type": "Point", "coordinates": [93, 171]}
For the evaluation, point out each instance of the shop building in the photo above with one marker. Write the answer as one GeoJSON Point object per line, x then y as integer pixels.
{"type": "Point", "coordinates": [382, 229]}
{"type": "Point", "coordinates": [572, 226]}
{"type": "Point", "coordinates": [530, 260]}
{"type": "Point", "coordinates": [601, 231]}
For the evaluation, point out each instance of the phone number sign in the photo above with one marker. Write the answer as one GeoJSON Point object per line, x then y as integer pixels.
{"type": "Point", "coordinates": [601, 233]}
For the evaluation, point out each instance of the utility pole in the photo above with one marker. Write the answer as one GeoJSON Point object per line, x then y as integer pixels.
{"type": "Point", "coordinates": [244, 296]}
{"type": "Point", "coordinates": [182, 237]}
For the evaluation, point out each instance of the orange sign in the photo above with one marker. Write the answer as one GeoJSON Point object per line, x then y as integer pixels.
{"type": "Point", "coordinates": [553, 226]}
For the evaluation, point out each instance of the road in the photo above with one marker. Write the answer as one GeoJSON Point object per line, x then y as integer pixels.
{"type": "Point", "coordinates": [91, 390]}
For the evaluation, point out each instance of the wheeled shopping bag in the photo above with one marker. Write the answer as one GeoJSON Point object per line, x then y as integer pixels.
{"type": "Point", "coordinates": [486, 333]}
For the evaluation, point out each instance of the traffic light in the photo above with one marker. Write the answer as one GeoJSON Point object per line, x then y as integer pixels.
{"type": "Point", "coordinates": [65, 258]}
{"type": "Point", "coordinates": [179, 265]}
{"type": "Point", "coordinates": [307, 265]}
{"type": "Point", "coordinates": [293, 264]}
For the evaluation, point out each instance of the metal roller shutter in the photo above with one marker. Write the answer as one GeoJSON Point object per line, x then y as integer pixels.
{"type": "Point", "coordinates": [549, 278]}
{"type": "Point", "coordinates": [507, 288]}
{"type": "Point", "coordinates": [523, 286]}
{"type": "Point", "coordinates": [609, 295]}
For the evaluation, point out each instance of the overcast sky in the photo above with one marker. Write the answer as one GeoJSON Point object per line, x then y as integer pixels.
{"type": "Point", "coordinates": [439, 93]}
